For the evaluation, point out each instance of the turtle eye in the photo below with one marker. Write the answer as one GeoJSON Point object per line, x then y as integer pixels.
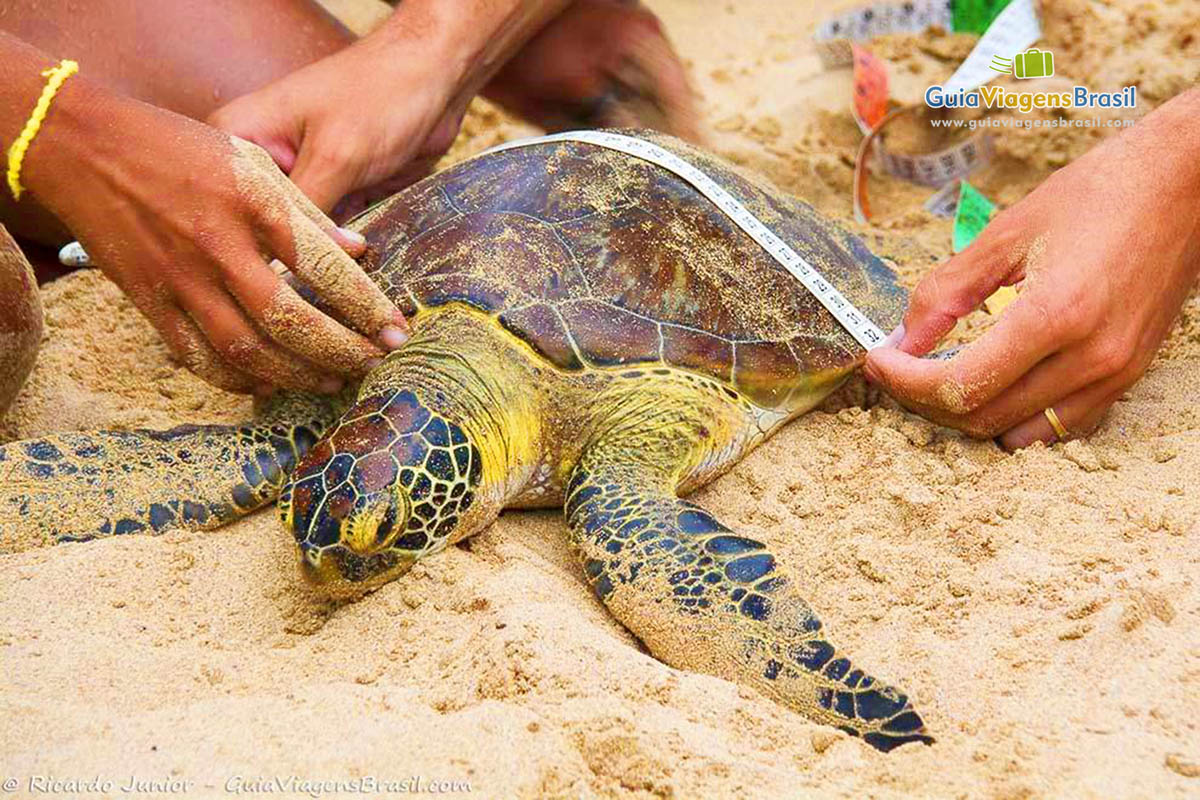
{"type": "Point", "coordinates": [374, 525]}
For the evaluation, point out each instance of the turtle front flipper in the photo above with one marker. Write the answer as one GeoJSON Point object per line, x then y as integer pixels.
{"type": "Point", "coordinates": [79, 486]}
{"type": "Point", "coordinates": [702, 597]}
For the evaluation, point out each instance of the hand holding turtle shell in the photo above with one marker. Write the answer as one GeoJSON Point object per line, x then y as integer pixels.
{"type": "Point", "coordinates": [330, 129]}
{"type": "Point", "coordinates": [378, 115]}
{"type": "Point", "coordinates": [187, 222]}
{"type": "Point", "coordinates": [1106, 250]}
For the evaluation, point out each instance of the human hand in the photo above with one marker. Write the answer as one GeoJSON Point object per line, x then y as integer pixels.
{"type": "Point", "coordinates": [1106, 250]}
{"type": "Point", "coordinates": [600, 63]}
{"type": "Point", "coordinates": [187, 222]}
{"type": "Point", "coordinates": [371, 117]}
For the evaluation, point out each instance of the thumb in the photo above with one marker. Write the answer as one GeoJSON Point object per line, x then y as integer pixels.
{"type": "Point", "coordinates": [323, 178]}
{"type": "Point", "coordinates": [236, 120]}
{"type": "Point", "coordinates": [953, 290]}
{"type": "Point", "coordinates": [281, 153]}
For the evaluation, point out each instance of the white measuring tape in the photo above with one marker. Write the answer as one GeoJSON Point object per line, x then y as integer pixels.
{"type": "Point", "coordinates": [833, 36]}
{"type": "Point", "coordinates": [865, 332]}
{"type": "Point", "coordinates": [1014, 29]}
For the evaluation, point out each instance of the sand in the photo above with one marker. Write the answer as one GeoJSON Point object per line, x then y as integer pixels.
{"type": "Point", "coordinates": [1042, 607]}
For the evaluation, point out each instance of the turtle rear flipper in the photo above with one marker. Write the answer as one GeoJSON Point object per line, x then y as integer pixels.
{"type": "Point", "coordinates": [702, 597]}
{"type": "Point", "coordinates": [79, 486]}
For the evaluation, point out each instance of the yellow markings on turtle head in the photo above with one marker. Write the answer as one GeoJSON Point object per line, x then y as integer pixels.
{"type": "Point", "coordinates": [318, 570]}
{"type": "Point", "coordinates": [360, 530]}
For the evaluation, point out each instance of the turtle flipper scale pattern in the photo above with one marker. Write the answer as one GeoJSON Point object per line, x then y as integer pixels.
{"type": "Point", "coordinates": [584, 324]}
{"type": "Point", "coordinates": [704, 598]}
{"type": "Point", "coordinates": [86, 485]}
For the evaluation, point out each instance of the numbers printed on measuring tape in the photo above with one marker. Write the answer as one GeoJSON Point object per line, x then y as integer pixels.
{"type": "Point", "coordinates": [865, 332]}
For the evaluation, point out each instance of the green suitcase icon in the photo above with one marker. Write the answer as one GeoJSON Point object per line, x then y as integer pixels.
{"type": "Point", "coordinates": [1033, 64]}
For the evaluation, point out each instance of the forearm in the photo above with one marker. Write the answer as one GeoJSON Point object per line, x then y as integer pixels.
{"type": "Point", "coordinates": [1164, 148]}
{"type": "Point", "coordinates": [1168, 145]}
{"type": "Point", "coordinates": [21, 82]}
{"type": "Point", "coordinates": [1149, 172]}
{"type": "Point", "coordinates": [64, 147]}
{"type": "Point", "coordinates": [472, 38]}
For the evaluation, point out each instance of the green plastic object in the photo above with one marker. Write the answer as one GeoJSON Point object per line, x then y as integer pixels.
{"type": "Point", "coordinates": [974, 16]}
{"type": "Point", "coordinates": [1033, 64]}
{"type": "Point", "coordinates": [974, 211]}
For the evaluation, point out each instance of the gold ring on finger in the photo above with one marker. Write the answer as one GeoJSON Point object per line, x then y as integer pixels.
{"type": "Point", "coordinates": [1059, 429]}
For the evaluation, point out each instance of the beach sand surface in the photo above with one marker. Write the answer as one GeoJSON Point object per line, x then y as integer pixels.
{"type": "Point", "coordinates": [1041, 608]}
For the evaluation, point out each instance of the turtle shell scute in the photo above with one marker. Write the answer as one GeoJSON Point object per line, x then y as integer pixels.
{"type": "Point", "coordinates": [598, 259]}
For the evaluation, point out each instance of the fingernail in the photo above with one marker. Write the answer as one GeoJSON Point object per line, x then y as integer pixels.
{"type": "Point", "coordinates": [895, 337]}
{"type": "Point", "coordinates": [392, 337]}
{"type": "Point", "coordinates": [373, 363]}
{"type": "Point", "coordinates": [330, 385]}
{"type": "Point", "coordinates": [353, 236]}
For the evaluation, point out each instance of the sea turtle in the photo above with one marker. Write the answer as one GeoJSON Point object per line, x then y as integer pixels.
{"type": "Point", "coordinates": [589, 332]}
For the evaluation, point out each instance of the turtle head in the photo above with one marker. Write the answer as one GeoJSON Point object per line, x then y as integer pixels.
{"type": "Point", "coordinates": [384, 486]}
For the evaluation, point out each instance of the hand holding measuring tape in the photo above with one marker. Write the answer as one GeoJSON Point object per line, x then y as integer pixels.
{"type": "Point", "coordinates": [1106, 251]}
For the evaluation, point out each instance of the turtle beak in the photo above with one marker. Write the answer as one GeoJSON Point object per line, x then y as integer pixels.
{"type": "Point", "coordinates": [338, 572]}
{"type": "Point", "coordinates": [317, 567]}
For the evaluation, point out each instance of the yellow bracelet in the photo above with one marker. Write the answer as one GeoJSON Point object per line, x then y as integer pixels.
{"type": "Point", "coordinates": [55, 78]}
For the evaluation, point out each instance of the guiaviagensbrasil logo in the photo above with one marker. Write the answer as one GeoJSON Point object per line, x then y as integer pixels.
{"type": "Point", "coordinates": [1032, 63]}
